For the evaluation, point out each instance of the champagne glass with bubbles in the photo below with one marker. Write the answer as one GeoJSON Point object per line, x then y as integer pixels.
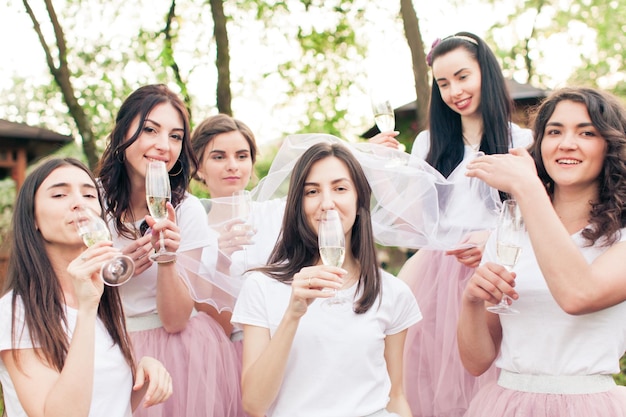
{"type": "Point", "coordinates": [332, 247]}
{"type": "Point", "coordinates": [241, 204]}
{"type": "Point", "coordinates": [93, 229]}
{"type": "Point", "coordinates": [383, 113]}
{"type": "Point", "coordinates": [158, 194]}
{"type": "Point", "coordinates": [509, 234]}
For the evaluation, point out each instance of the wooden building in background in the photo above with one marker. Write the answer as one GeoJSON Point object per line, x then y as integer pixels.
{"type": "Point", "coordinates": [20, 146]}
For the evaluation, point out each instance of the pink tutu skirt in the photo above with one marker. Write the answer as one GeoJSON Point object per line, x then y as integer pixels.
{"type": "Point", "coordinates": [495, 401]}
{"type": "Point", "coordinates": [204, 367]}
{"type": "Point", "coordinates": [436, 383]}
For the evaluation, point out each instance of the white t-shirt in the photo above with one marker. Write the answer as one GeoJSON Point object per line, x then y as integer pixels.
{"type": "Point", "coordinates": [139, 294]}
{"type": "Point", "coordinates": [520, 137]}
{"type": "Point", "coordinates": [336, 366]}
{"type": "Point", "coordinates": [465, 204]}
{"type": "Point", "coordinates": [112, 383]}
{"type": "Point", "coordinates": [543, 339]}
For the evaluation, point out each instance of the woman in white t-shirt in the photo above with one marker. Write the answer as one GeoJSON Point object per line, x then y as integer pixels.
{"type": "Point", "coordinates": [299, 358]}
{"type": "Point", "coordinates": [153, 124]}
{"type": "Point", "coordinates": [226, 150]}
{"type": "Point", "coordinates": [64, 349]}
{"type": "Point", "coordinates": [557, 355]}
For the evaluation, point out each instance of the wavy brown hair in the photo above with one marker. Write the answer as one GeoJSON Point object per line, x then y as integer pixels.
{"type": "Point", "coordinates": [111, 170]}
{"type": "Point", "coordinates": [608, 116]}
{"type": "Point", "coordinates": [297, 245]}
{"type": "Point", "coordinates": [33, 280]}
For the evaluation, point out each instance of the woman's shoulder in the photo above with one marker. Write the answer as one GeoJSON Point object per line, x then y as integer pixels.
{"type": "Point", "coordinates": [520, 137]}
{"type": "Point", "coordinates": [393, 283]}
{"type": "Point", "coordinates": [6, 303]}
{"type": "Point", "coordinates": [421, 145]}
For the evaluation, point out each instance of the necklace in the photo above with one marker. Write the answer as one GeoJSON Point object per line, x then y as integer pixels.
{"type": "Point", "coordinates": [474, 146]}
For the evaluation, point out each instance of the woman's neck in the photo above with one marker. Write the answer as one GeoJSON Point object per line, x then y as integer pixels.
{"type": "Point", "coordinates": [472, 130]}
{"type": "Point", "coordinates": [60, 258]}
{"type": "Point", "coordinates": [138, 206]}
{"type": "Point", "coordinates": [573, 208]}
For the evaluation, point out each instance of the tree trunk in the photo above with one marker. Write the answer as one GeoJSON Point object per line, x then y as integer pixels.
{"type": "Point", "coordinates": [61, 75]}
{"type": "Point", "coordinates": [222, 61]}
{"type": "Point", "coordinates": [420, 68]}
{"type": "Point", "coordinates": [170, 61]}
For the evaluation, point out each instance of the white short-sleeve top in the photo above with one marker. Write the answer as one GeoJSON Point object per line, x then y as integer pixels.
{"type": "Point", "coordinates": [139, 294]}
{"type": "Point", "coordinates": [112, 383]}
{"type": "Point", "coordinates": [545, 340]}
{"type": "Point", "coordinates": [336, 366]}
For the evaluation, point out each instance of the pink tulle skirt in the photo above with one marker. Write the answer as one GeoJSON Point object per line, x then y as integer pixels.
{"type": "Point", "coordinates": [495, 401]}
{"type": "Point", "coordinates": [204, 367]}
{"type": "Point", "coordinates": [436, 383]}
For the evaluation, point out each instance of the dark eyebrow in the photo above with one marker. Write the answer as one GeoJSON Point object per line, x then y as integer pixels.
{"type": "Point", "coordinates": [559, 124]}
{"type": "Point", "coordinates": [460, 71]}
{"type": "Point", "coordinates": [332, 182]}
{"type": "Point", "coordinates": [159, 125]}
{"type": "Point", "coordinates": [455, 74]}
{"type": "Point", "coordinates": [221, 151]}
{"type": "Point", "coordinates": [65, 184]}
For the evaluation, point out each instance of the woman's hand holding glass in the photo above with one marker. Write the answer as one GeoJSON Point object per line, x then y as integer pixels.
{"type": "Point", "coordinates": [489, 282]}
{"type": "Point", "coordinates": [116, 270]}
{"type": "Point", "coordinates": [313, 282]}
{"type": "Point", "coordinates": [139, 251]}
{"type": "Point", "coordinates": [509, 235]}
{"type": "Point", "coordinates": [165, 237]}
{"type": "Point", "coordinates": [158, 197]}
{"type": "Point", "coordinates": [234, 238]}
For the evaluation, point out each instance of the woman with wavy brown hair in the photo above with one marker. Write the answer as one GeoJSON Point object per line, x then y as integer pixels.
{"type": "Point", "coordinates": [557, 356]}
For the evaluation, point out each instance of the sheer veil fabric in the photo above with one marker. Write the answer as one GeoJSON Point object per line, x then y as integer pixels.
{"type": "Point", "coordinates": [413, 206]}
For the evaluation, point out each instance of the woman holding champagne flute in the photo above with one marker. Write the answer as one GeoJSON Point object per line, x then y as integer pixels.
{"type": "Point", "coordinates": [64, 349]}
{"type": "Point", "coordinates": [470, 112]}
{"type": "Point", "coordinates": [153, 125]}
{"type": "Point", "coordinates": [557, 355]}
{"type": "Point", "coordinates": [226, 151]}
{"type": "Point", "coordinates": [300, 358]}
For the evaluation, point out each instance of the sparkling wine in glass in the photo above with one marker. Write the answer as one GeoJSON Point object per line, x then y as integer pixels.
{"type": "Point", "coordinates": [93, 229]}
{"type": "Point", "coordinates": [383, 113]}
{"type": "Point", "coordinates": [241, 210]}
{"type": "Point", "coordinates": [509, 234]}
{"type": "Point", "coordinates": [332, 247]}
{"type": "Point", "coordinates": [241, 204]}
{"type": "Point", "coordinates": [158, 193]}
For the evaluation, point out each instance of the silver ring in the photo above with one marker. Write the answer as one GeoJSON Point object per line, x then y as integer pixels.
{"type": "Point", "coordinates": [310, 282]}
{"type": "Point", "coordinates": [83, 258]}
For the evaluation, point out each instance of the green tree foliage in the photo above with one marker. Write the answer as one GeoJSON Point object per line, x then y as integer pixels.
{"type": "Point", "coordinates": [593, 30]}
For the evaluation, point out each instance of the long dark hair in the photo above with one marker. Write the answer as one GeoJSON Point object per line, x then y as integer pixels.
{"type": "Point", "coordinates": [608, 116]}
{"type": "Point", "coordinates": [33, 280]}
{"type": "Point", "coordinates": [112, 171]}
{"type": "Point", "coordinates": [446, 131]}
{"type": "Point", "coordinates": [297, 246]}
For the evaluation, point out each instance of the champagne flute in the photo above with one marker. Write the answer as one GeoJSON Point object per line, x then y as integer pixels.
{"type": "Point", "coordinates": [241, 210]}
{"type": "Point", "coordinates": [383, 113]}
{"type": "Point", "coordinates": [158, 194]}
{"type": "Point", "coordinates": [332, 247]}
{"type": "Point", "coordinates": [509, 234]}
{"type": "Point", "coordinates": [93, 229]}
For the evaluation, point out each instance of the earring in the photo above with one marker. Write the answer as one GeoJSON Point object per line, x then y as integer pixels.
{"type": "Point", "coordinates": [179, 169]}
{"type": "Point", "coordinates": [119, 156]}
